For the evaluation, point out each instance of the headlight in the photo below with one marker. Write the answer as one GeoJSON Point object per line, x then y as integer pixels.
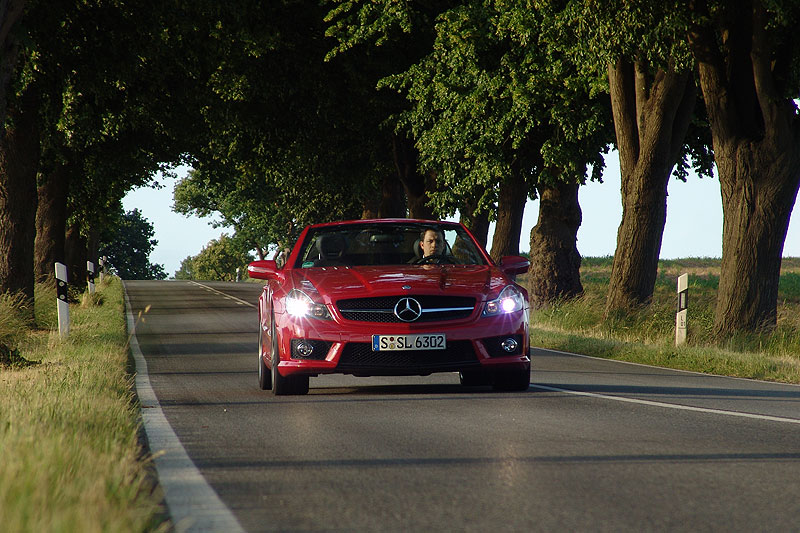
{"type": "Point", "coordinates": [300, 304]}
{"type": "Point", "coordinates": [510, 300]}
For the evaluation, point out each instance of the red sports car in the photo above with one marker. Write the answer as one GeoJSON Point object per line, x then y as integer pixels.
{"type": "Point", "coordinates": [391, 297]}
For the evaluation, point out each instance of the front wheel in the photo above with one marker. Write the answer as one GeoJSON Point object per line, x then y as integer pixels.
{"type": "Point", "coordinates": [283, 385]}
{"type": "Point", "coordinates": [264, 375]}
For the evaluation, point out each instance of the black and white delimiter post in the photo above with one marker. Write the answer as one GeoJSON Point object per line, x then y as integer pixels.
{"type": "Point", "coordinates": [683, 304]}
{"type": "Point", "coordinates": [63, 305]}
{"type": "Point", "coordinates": [90, 275]}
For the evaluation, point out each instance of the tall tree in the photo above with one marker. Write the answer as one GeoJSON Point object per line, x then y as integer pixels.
{"type": "Point", "coordinates": [19, 160]}
{"type": "Point", "coordinates": [496, 113]}
{"type": "Point", "coordinates": [748, 59]}
{"type": "Point", "coordinates": [219, 260]}
{"type": "Point", "coordinates": [293, 139]}
{"type": "Point", "coordinates": [640, 49]}
{"type": "Point", "coordinates": [128, 244]}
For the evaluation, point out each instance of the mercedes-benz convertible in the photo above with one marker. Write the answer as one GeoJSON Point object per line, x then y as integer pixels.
{"type": "Point", "coordinates": [391, 297]}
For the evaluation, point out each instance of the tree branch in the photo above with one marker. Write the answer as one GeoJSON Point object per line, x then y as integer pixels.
{"type": "Point", "coordinates": [768, 98]}
{"type": "Point", "coordinates": [722, 112]}
{"type": "Point", "coordinates": [623, 106]}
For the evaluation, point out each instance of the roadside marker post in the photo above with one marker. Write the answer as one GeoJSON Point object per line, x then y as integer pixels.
{"type": "Point", "coordinates": [681, 327]}
{"type": "Point", "coordinates": [61, 295]}
{"type": "Point", "coordinates": [90, 276]}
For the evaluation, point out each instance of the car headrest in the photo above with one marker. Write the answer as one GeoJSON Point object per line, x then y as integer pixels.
{"type": "Point", "coordinates": [331, 246]}
{"type": "Point", "coordinates": [418, 249]}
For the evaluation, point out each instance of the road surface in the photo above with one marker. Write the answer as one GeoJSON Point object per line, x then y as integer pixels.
{"type": "Point", "coordinates": [593, 445]}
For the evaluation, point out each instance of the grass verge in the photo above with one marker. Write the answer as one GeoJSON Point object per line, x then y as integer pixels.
{"type": "Point", "coordinates": [69, 425]}
{"type": "Point", "coordinates": [648, 335]}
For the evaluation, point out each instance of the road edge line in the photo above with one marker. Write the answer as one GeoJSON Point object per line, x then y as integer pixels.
{"type": "Point", "coordinates": [666, 405]}
{"type": "Point", "coordinates": [694, 372]}
{"type": "Point", "coordinates": [192, 503]}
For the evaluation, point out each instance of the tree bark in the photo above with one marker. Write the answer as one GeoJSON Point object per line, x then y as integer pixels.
{"type": "Point", "coordinates": [478, 224]}
{"type": "Point", "coordinates": [756, 136]}
{"type": "Point", "coordinates": [11, 11]}
{"type": "Point", "coordinates": [390, 203]}
{"type": "Point", "coordinates": [75, 251]}
{"type": "Point", "coordinates": [510, 209]}
{"type": "Point", "coordinates": [555, 261]}
{"type": "Point", "coordinates": [415, 185]}
{"type": "Point", "coordinates": [51, 223]}
{"type": "Point", "coordinates": [651, 118]}
{"type": "Point", "coordinates": [19, 158]}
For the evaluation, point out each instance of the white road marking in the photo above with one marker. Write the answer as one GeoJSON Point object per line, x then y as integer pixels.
{"type": "Point", "coordinates": [693, 372]}
{"type": "Point", "coordinates": [228, 296]}
{"type": "Point", "coordinates": [193, 504]}
{"type": "Point", "coordinates": [669, 405]}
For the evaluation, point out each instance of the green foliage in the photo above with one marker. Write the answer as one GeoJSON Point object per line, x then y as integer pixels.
{"type": "Point", "coordinates": [291, 139]}
{"type": "Point", "coordinates": [653, 35]}
{"type": "Point", "coordinates": [128, 245]}
{"type": "Point", "coordinates": [487, 97]}
{"type": "Point", "coordinates": [218, 261]}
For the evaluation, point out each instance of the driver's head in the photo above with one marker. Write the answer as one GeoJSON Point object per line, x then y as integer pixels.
{"type": "Point", "coordinates": [432, 242]}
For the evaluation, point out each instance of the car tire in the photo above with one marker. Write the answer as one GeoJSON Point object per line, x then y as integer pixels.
{"type": "Point", "coordinates": [473, 378]}
{"type": "Point", "coordinates": [512, 380]}
{"type": "Point", "coordinates": [264, 375]}
{"type": "Point", "coordinates": [283, 386]}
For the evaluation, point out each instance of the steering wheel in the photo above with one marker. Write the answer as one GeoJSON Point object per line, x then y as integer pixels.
{"type": "Point", "coordinates": [437, 259]}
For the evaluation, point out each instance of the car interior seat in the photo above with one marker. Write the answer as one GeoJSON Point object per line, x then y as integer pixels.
{"type": "Point", "coordinates": [331, 249]}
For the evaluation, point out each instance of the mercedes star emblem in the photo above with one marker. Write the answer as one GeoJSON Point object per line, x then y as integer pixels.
{"type": "Point", "coordinates": [407, 309]}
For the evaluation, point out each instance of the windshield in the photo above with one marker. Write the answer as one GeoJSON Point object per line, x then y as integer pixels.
{"type": "Point", "coordinates": [388, 244]}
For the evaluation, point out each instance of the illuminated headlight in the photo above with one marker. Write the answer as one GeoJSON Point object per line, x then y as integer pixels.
{"type": "Point", "coordinates": [510, 300]}
{"type": "Point", "coordinates": [299, 304]}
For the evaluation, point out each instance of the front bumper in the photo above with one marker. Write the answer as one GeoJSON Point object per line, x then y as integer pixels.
{"type": "Point", "coordinates": [345, 347]}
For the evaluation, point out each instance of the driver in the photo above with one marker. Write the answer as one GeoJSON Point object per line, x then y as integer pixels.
{"type": "Point", "coordinates": [432, 242]}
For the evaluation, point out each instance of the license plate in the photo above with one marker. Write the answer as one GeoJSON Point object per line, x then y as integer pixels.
{"type": "Point", "coordinates": [426, 341]}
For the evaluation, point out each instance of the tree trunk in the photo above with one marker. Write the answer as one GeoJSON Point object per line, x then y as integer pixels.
{"type": "Point", "coordinates": [11, 11]}
{"type": "Point", "coordinates": [756, 136]}
{"type": "Point", "coordinates": [478, 224]}
{"type": "Point", "coordinates": [92, 247]}
{"type": "Point", "coordinates": [555, 261]}
{"type": "Point", "coordinates": [651, 117]}
{"type": "Point", "coordinates": [19, 158]}
{"type": "Point", "coordinates": [510, 209]}
{"type": "Point", "coordinates": [75, 252]}
{"type": "Point", "coordinates": [51, 223]}
{"type": "Point", "coordinates": [415, 185]}
{"type": "Point", "coordinates": [391, 203]}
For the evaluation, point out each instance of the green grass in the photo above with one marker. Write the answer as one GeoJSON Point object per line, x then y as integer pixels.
{"type": "Point", "coordinates": [648, 335]}
{"type": "Point", "coordinates": [69, 425]}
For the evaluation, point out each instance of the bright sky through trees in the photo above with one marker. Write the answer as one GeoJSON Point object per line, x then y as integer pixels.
{"type": "Point", "coordinates": [693, 229]}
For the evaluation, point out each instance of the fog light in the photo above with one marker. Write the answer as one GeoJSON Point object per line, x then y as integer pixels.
{"type": "Point", "coordinates": [304, 349]}
{"type": "Point", "coordinates": [509, 345]}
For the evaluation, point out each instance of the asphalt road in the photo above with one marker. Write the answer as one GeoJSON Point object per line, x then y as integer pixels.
{"type": "Point", "coordinates": [592, 446]}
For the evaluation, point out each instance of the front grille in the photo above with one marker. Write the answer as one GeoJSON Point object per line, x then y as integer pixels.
{"type": "Point", "coordinates": [435, 308]}
{"type": "Point", "coordinates": [359, 356]}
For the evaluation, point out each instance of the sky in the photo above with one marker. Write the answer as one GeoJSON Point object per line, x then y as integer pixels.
{"type": "Point", "coordinates": [693, 228]}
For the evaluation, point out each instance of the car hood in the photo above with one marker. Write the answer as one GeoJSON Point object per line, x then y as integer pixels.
{"type": "Point", "coordinates": [334, 283]}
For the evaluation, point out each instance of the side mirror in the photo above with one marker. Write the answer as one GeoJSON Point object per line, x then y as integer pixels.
{"type": "Point", "coordinates": [266, 269]}
{"type": "Point", "coordinates": [514, 264]}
